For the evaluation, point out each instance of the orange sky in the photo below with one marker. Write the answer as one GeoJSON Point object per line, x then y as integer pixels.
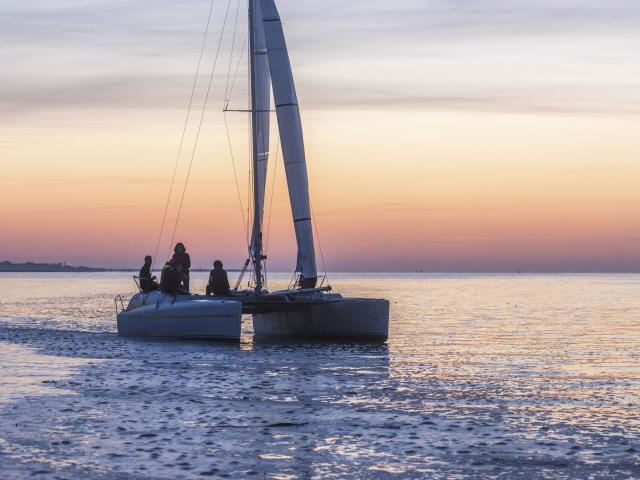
{"type": "Point", "coordinates": [447, 165]}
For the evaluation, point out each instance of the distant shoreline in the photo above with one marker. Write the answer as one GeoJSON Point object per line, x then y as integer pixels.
{"type": "Point", "coordinates": [31, 267]}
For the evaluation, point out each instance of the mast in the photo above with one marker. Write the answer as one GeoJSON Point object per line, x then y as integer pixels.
{"type": "Point", "coordinates": [260, 87]}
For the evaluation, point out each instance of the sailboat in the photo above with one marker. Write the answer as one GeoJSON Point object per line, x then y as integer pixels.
{"type": "Point", "coordinates": [306, 309]}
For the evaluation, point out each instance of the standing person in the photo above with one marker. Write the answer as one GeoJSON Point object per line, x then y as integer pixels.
{"type": "Point", "coordinates": [183, 263]}
{"type": "Point", "coordinates": [147, 281]}
{"type": "Point", "coordinates": [218, 280]}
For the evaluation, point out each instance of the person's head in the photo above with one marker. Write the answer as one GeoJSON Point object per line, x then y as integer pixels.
{"type": "Point", "coordinates": [148, 260]}
{"type": "Point", "coordinates": [180, 248]}
{"type": "Point", "coordinates": [217, 264]}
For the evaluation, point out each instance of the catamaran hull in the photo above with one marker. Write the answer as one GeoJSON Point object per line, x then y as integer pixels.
{"type": "Point", "coordinates": [157, 315]}
{"type": "Point", "coordinates": [345, 319]}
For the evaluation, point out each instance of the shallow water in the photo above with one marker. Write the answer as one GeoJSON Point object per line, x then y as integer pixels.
{"type": "Point", "coordinates": [484, 376]}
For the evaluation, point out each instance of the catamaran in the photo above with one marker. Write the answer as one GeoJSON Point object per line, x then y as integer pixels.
{"type": "Point", "coordinates": [308, 308]}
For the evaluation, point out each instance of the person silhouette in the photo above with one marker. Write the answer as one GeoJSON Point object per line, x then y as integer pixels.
{"type": "Point", "coordinates": [170, 278]}
{"type": "Point", "coordinates": [147, 281]}
{"type": "Point", "coordinates": [182, 263]}
{"type": "Point", "coordinates": [218, 280]}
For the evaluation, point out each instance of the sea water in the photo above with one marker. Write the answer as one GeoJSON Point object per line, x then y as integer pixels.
{"type": "Point", "coordinates": [483, 376]}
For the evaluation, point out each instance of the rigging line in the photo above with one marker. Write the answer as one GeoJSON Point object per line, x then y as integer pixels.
{"type": "Point", "coordinates": [250, 157]}
{"type": "Point", "coordinates": [235, 75]}
{"type": "Point", "coordinates": [292, 282]}
{"type": "Point", "coordinates": [273, 189]}
{"type": "Point", "coordinates": [315, 226]}
{"type": "Point", "coordinates": [235, 175]}
{"type": "Point", "coordinates": [184, 132]}
{"type": "Point", "coordinates": [249, 191]}
{"type": "Point", "coordinates": [204, 109]}
{"type": "Point", "coordinates": [233, 44]}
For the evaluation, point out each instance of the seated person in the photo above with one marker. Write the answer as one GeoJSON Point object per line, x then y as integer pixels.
{"type": "Point", "coordinates": [147, 282]}
{"type": "Point", "coordinates": [170, 279]}
{"type": "Point", "coordinates": [218, 280]}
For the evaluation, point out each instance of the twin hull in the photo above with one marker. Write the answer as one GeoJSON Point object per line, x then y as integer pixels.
{"type": "Point", "coordinates": [160, 315]}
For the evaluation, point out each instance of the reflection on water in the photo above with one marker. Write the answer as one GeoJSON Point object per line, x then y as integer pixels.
{"type": "Point", "coordinates": [25, 372]}
{"type": "Point", "coordinates": [483, 376]}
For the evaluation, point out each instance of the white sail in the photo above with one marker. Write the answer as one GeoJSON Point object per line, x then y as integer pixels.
{"type": "Point", "coordinates": [262, 84]}
{"type": "Point", "coordinates": [290, 126]}
{"type": "Point", "coordinates": [261, 104]}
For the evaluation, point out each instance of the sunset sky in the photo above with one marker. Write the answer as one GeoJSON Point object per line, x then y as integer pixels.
{"type": "Point", "coordinates": [442, 135]}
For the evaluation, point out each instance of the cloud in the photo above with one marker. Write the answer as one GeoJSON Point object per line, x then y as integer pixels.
{"type": "Point", "coordinates": [161, 91]}
{"type": "Point", "coordinates": [107, 208]}
{"type": "Point", "coordinates": [111, 92]}
{"type": "Point", "coordinates": [89, 209]}
{"type": "Point", "coordinates": [561, 99]}
{"type": "Point", "coordinates": [575, 56]}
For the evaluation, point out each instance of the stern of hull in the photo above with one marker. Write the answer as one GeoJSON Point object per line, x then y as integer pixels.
{"type": "Point", "coordinates": [352, 319]}
{"type": "Point", "coordinates": [162, 316]}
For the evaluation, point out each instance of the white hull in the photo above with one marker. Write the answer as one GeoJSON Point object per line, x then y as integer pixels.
{"type": "Point", "coordinates": [160, 315]}
{"type": "Point", "coordinates": [346, 318]}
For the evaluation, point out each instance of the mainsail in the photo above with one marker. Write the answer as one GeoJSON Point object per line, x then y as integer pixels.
{"type": "Point", "coordinates": [290, 126]}
{"type": "Point", "coordinates": [260, 106]}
